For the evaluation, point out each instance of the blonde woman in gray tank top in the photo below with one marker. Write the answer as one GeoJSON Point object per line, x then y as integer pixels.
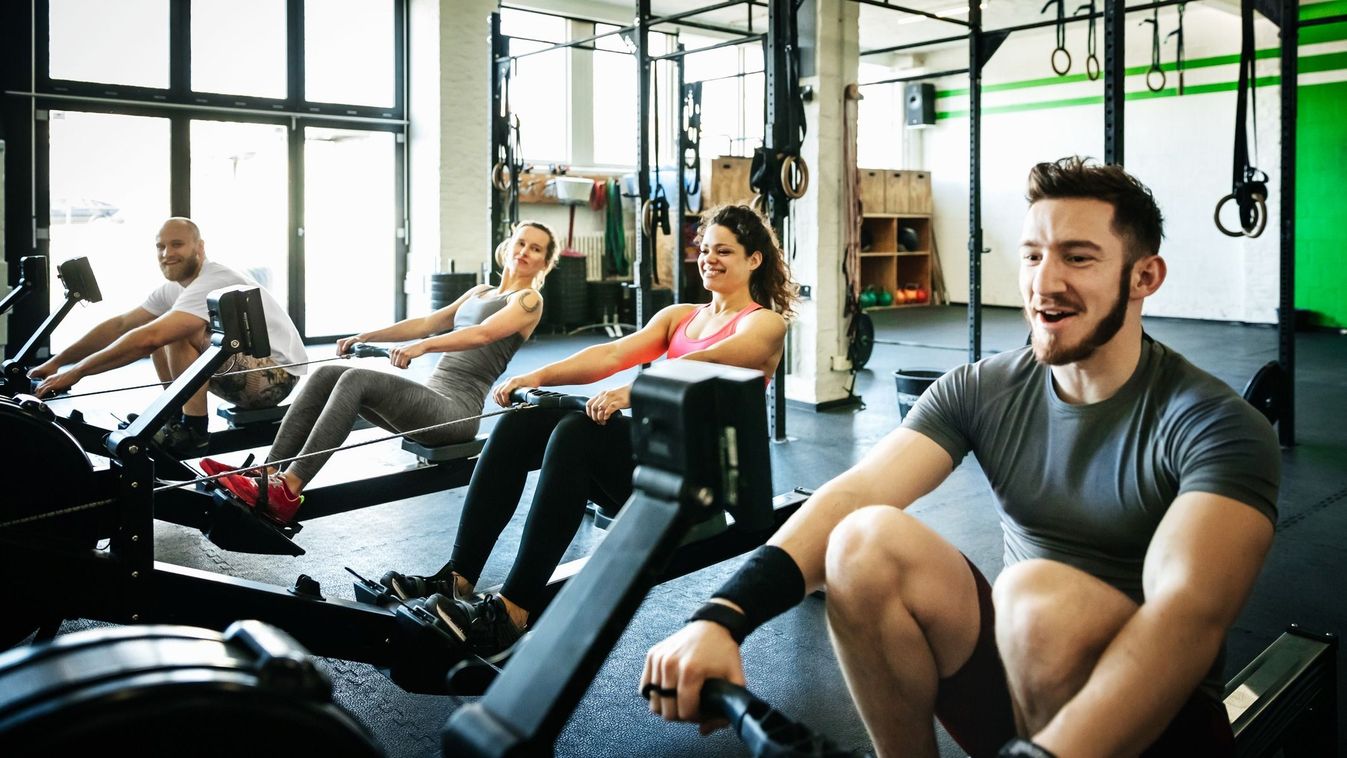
{"type": "Point", "coordinates": [484, 329]}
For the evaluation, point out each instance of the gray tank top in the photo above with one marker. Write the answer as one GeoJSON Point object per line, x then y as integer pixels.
{"type": "Point", "coordinates": [470, 373]}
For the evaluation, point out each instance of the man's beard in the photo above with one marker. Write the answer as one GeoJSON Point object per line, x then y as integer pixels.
{"type": "Point", "coordinates": [183, 270]}
{"type": "Point", "coordinates": [1057, 354]}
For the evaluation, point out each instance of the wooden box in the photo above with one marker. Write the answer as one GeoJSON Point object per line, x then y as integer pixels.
{"type": "Point", "coordinates": [729, 182]}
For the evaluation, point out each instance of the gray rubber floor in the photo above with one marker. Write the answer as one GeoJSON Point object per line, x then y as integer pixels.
{"type": "Point", "coordinates": [790, 662]}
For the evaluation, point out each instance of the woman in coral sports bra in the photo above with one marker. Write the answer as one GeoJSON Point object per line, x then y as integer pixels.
{"type": "Point", "coordinates": [588, 456]}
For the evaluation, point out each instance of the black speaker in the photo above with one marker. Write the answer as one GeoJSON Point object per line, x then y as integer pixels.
{"type": "Point", "coordinates": [920, 98]}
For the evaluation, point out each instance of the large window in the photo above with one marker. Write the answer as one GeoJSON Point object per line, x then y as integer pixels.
{"type": "Point", "coordinates": [112, 43]}
{"type": "Point", "coordinates": [733, 98]}
{"type": "Point", "coordinates": [287, 149]}
{"type": "Point", "coordinates": [97, 213]}
{"type": "Point", "coordinates": [349, 229]}
{"type": "Point", "coordinates": [539, 91]}
{"type": "Point", "coordinates": [221, 29]}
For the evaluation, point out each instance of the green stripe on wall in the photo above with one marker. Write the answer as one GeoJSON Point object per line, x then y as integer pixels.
{"type": "Point", "coordinates": [1168, 91]}
{"type": "Point", "coordinates": [1323, 10]}
{"type": "Point", "coordinates": [1321, 206]}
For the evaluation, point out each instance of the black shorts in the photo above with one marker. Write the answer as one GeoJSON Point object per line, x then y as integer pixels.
{"type": "Point", "coordinates": [973, 703]}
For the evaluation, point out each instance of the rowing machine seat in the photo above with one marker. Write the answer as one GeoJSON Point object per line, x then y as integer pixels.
{"type": "Point", "coordinates": [442, 453]}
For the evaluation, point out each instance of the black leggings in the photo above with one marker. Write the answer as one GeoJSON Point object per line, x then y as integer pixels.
{"type": "Point", "coordinates": [580, 461]}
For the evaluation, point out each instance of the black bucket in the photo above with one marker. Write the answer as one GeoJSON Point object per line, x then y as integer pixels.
{"type": "Point", "coordinates": [911, 383]}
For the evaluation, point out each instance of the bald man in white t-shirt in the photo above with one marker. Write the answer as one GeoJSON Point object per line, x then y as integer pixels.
{"type": "Point", "coordinates": [172, 326]}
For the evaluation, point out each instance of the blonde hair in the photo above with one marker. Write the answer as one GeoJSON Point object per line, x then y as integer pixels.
{"type": "Point", "coordinates": [549, 257]}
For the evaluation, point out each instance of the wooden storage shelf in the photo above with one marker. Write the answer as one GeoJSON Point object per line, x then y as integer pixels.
{"type": "Point", "coordinates": [895, 244]}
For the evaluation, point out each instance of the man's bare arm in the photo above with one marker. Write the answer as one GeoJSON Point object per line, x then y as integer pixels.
{"type": "Point", "coordinates": [1199, 570]}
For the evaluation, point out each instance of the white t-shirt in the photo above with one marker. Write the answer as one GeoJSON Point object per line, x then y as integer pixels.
{"type": "Point", "coordinates": [286, 344]}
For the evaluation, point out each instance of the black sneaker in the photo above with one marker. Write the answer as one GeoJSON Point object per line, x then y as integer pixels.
{"type": "Point", "coordinates": [485, 621]}
{"type": "Point", "coordinates": [409, 586]}
{"type": "Point", "coordinates": [182, 441]}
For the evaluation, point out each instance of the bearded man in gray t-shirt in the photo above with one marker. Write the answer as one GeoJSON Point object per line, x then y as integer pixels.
{"type": "Point", "coordinates": [1137, 497]}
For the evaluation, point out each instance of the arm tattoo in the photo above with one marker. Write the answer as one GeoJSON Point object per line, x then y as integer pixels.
{"type": "Point", "coordinates": [529, 303]}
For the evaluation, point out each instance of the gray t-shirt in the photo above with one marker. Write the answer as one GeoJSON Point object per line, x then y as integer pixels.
{"type": "Point", "coordinates": [470, 373]}
{"type": "Point", "coordinates": [1087, 485]}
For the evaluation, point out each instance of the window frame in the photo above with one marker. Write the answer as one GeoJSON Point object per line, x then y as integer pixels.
{"type": "Point", "coordinates": [180, 105]}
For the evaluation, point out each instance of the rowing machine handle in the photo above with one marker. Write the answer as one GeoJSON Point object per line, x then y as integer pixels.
{"type": "Point", "coordinates": [365, 350]}
{"type": "Point", "coordinates": [548, 399]}
{"type": "Point", "coordinates": [765, 730]}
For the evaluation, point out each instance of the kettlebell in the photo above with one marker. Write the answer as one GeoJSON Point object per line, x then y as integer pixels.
{"type": "Point", "coordinates": [867, 298]}
{"type": "Point", "coordinates": [885, 298]}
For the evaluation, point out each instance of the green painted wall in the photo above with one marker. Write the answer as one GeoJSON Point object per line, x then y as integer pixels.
{"type": "Point", "coordinates": [1321, 178]}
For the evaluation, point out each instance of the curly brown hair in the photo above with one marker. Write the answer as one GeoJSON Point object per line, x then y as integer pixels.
{"type": "Point", "coordinates": [770, 284]}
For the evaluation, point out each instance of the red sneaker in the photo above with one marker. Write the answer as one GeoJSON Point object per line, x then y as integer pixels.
{"type": "Point", "coordinates": [281, 504]}
{"type": "Point", "coordinates": [213, 467]}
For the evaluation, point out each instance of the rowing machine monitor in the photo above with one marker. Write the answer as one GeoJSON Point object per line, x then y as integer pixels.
{"type": "Point", "coordinates": [78, 277]}
{"type": "Point", "coordinates": [239, 326]}
{"type": "Point", "coordinates": [32, 277]}
{"type": "Point", "coordinates": [707, 422]}
{"type": "Point", "coordinates": [236, 315]}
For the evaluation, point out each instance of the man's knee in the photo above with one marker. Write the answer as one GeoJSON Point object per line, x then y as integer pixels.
{"type": "Point", "coordinates": [1053, 621]}
{"type": "Point", "coordinates": [862, 555]}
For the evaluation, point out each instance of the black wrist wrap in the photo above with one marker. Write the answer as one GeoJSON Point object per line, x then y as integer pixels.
{"type": "Point", "coordinates": [733, 621]}
{"type": "Point", "coordinates": [768, 584]}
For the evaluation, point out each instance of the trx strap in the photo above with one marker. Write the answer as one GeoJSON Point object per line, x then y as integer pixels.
{"type": "Point", "coordinates": [1248, 184]}
{"type": "Point", "coordinates": [692, 139]}
{"type": "Point", "coordinates": [655, 211]}
{"type": "Point", "coordinates": [1178, 51]}
{"type": "Point", "coordinates": [1151, 83]}
{"type": "Point", "coordinates": [1092, 69]}
{"type": "Point", "coordinates": [1061, 37]}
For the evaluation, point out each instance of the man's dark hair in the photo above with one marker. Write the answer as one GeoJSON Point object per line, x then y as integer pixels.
{"type": "Point", "coordinates": [1136, 217]}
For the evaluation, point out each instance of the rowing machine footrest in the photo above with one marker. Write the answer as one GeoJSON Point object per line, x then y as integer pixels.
{"type": "Point", "coordinates": [472, 676]}
{"type": "Point", "coordinates": [442, 453]}
{"type": "Point", "coordinates": [370, 592]}
{"type": "Point", "coordinates": [234, 526]}
{"type": "Point", "coordinates": [426, 651]}
{"type": "Point", "coordinates": [241, 417]}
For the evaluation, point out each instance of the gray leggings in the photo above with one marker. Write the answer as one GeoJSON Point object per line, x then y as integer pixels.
{"type": "Point", "coordinates": [325, 411]}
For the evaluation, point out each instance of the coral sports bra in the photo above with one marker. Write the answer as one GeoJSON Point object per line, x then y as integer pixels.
{"type": "Point", "coordinates": [682, 344]}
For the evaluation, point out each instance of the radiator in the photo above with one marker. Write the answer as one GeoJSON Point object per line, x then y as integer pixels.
{"type": "Point", "coordinates": [592, 247]}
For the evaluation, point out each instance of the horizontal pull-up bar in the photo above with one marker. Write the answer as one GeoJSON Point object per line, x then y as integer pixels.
{"type": "Point", "coordinates": [1008, 29]}
{"type": "Point", "coordinates": [916, 77]}
{"type": "Point", "coordinates": [726, 43]}
{"type": "Point", "coordinates": [632, 27]}
{"type": "Point", "coordinates": [910, 45]}
{"type": "Point", "coordinates": [589, 20]}
{"type": "Point", "coordinates": [913, 11]}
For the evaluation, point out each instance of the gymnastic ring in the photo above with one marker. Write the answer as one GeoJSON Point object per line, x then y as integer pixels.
{"type": "Point", "coordinates": [759, 204]}
{"type": "Point", "coordinates": [1155, 70]}
{"type": "Point", "coordinates": [648, 217]}
{"type": "Point", "coordinates": [1092, 73]}
{"type": "Point", "coordinates": [1061, 71]}
{"type": "Point", "coordinates": [794, 166]}
{"type": "Point", "coordinates": [1258, 227]}
{"type": "Point", "coordinates": [500, 176]}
